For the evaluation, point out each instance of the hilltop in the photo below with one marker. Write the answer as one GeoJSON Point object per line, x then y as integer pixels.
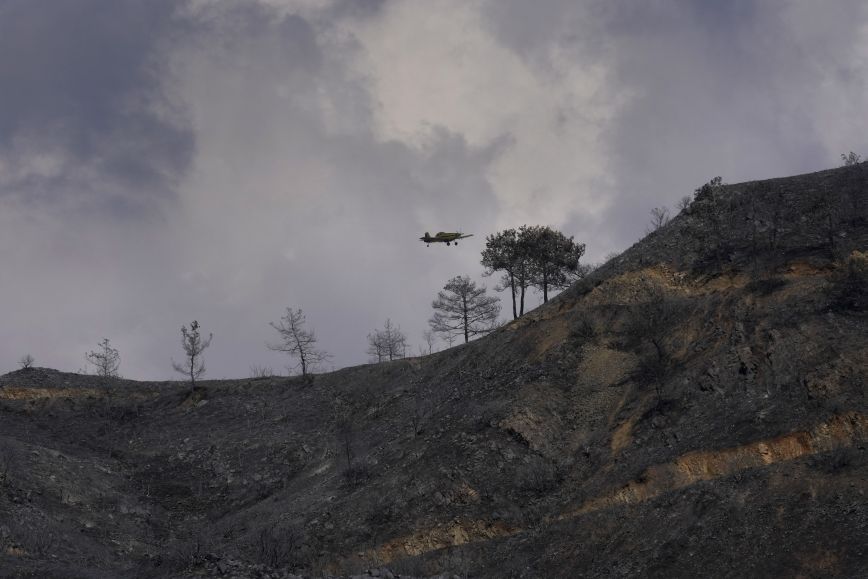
{"type": "Point", "coordinates": [694, 407]}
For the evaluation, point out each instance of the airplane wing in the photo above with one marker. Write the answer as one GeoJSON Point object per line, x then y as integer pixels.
{"type": "Point", "coordinates": [463, 236]}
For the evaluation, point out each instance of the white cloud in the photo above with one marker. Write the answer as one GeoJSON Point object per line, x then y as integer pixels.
{"type": "Point", "coordinates": [439, 65]}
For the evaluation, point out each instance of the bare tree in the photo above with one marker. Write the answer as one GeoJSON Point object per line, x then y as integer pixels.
{"type": "Point", "coordinates": [194, 345]}
{"type": "Point", "coordinates": [659, 218]}
{"type": "Point", "coordinates": [423, 406]}
{"type": "Point", "coordinates": [851, 159]}
{"type": "Point", "coordinates": [684, 203]}
{"type": "Point", "coordinates": [464, 309]}
{"type": "Point", "coordinates": [390, 343]}
{"type": "Point", "coordinates": [106, 359]}
{"type": "Point", "coordinates": [651, 324]}
{"type": "Point", "coordinates": [430, 339]}
{"type": "Point", "coordinates": [26, 361]}
{"type": "Point", "coordinates": [257, 371]}
{"type": "Point", "coordinates": [298, 342]}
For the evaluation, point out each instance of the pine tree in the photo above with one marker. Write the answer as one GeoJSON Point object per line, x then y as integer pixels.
{"type": "Point", "coordinates": [503, 252]}
{"type": "Point", "coordinates": [106, 359]}
{"type": "Point", "coordinates": [194, 345]}
{"type": "Point", "coordinates": [553, 257]}
{"type": "Point", "coordinates": [463, 308]}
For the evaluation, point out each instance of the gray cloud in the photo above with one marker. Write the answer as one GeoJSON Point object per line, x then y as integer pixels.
{"type": "Point", "coordinates": [729, 89]}
{"type": "Point", "coordinates": [84, 112]}
{"type": "Point", "coordinates": [742, 89]}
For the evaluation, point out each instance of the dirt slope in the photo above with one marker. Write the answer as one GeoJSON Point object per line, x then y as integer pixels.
{"type": "Point", "coordinates": [696, 407]}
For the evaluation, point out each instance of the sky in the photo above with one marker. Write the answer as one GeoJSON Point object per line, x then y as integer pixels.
{"type": "Point", "coordinates": [221, 160]}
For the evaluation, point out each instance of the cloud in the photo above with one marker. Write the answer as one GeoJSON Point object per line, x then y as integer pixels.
{"type": "Point", "coordinates": [86, 120]}
{"type": "Point", "coordinates": [442, 66]}
{"type": "Point", "coordinates": [745, 90]}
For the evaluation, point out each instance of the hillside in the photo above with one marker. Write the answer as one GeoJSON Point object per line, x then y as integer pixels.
{"type": "Point", "coordinates": [695, 407]}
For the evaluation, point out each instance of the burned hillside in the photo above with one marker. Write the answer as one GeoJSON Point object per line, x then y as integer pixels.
{"type": "Point", "coordinates": [694, 407]}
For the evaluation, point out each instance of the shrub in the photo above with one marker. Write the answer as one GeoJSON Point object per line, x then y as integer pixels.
{"type": "Point", "coordinates": [357, 475]}
{"type": "Point", "coordinates": [7, 463]}
{"type": "Point", "coordinates": [386, 511]}
{"type": "Point", "coordinates": [537, 477]}
{"type": "Point", "coordinates": [766, 286]}
{"type": "Point", "coordinates": [278, 545]}
{"type": "Point", "coordinates": [850, 286]}
{"type": "Point", "coordinates": [834, 461]}
{"type": "Point", "coordinates": [189, 551]}
{"type": "Point", "coordinates": [583, 330]}
{"type": "Point", "coordinates": [35, 540]}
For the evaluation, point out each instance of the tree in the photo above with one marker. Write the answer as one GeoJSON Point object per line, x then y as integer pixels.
{"type": "Point", "coordinates": [106, 359]}
{"type": "Point", "coordinates": [651, 324]}
{"type": "Point", "coordinates": [194, 345]}
{"type": "Point", "coordinates": [297, 341]}
{"type": "Point", "coordinates": [464, 309]}
{"type": "Point", "coordinates": [504, 252]}
{"type": "Point", "coordinates": [553, 257]}
{"type": "Point", "coordinates": [708, 190]}
{"type": "Point", "coordinates": [532, 256]}
{"type": "Point", "coordinates": [390, 343]}
{"type": "Point", "coordinates": [851, 159]}
{"type": "Point", "coordinates": [26, 361]}
{"type": "Point", "coordinates": [430, 340]}
{"type": "Point", "coordinates": [659, 218]}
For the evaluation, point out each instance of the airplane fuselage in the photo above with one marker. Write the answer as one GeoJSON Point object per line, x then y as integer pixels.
{"type": "Point", "coordinates": [444, 237]}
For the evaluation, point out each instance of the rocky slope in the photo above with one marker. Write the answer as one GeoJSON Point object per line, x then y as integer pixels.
{"type": "Point", "coordinates": [695, 407]}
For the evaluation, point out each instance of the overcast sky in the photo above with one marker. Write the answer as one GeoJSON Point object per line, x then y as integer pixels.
{"type": "Point", "coordinates": [165, 160]}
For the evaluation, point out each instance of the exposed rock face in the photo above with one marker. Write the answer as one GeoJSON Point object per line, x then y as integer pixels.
{"type": "Point", "coordinates": [696, 407]}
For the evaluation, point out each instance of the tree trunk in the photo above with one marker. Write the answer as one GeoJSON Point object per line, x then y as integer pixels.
{"type": "Point", "coordinates": [512, 291]}
{"type": "Point", "coordinates": [192, 374]}
{"type": "Point", "coordinates": [466, 334]}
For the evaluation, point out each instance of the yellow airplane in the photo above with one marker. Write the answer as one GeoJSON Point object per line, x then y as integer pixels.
{"type": "Point", "coordinates": [444, 237]}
